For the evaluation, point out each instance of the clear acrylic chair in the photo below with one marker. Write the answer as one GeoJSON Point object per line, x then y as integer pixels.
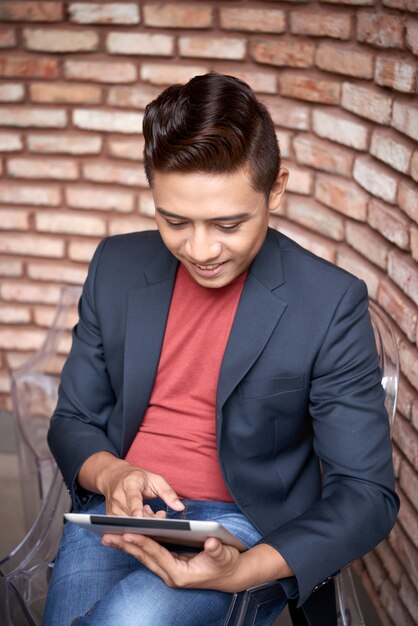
{"type": "Point", "coordinates": [24, 573]}
{"type": "Point", "coordinates": [246, 605]}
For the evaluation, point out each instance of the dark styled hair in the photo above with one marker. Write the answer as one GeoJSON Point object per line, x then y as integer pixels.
{"type": "Point", "coordinates": [212, 124]}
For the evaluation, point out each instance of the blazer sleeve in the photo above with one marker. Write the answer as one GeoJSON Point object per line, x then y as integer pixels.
{"type": "Point", "coordinates": [358, 506]}
{"type": "Point", "coordinates": [85, 398]}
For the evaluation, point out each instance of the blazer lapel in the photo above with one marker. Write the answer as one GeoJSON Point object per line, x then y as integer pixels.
{"type": "Point", "coordinates": [258, 314]}
{"type": "Point", "coordinates": [147, 313]}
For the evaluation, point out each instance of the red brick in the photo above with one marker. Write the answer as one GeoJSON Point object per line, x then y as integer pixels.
{"type": "Point", "coordinates": [406, 552]}
{"type": "Point", "coordinates": [320, 219]}
{"type": "Point", "coordinates": [14, 315]}
{"type": "Point", "coordinates": [408, 199]}
{"type": "Point", "coordinates": [405, 118]}
{"type": "Point", "coordinates": [31, 11]}
{"type": "Point", "coordinates": [105, 172]}
{"type": "Point", "coordinates": [392, 149]}
{"type": "Point", "coordinates": [212, 47]}
{"type": "Point", "coordinates": [407, 5]}
{"type": "Point", "coordinates": [36, 195]}
{"type": "Point", "coordinates": [126, 148]}
{"type": "Point", "coordinates": [295, 115]}
{"type": "Point", "coordinates": [172, 15]}
{"type": "Point", "coordinates": [27, 292]}
{"type": "Point", "coordinates": [320, 24]}
{"type": "Point", "coordinates": [261, 82]}
{"type": "Point", "coordinates": [300, 180]}
{"type": "Point", "coordinates": [57, 169]}
{"type": "Point", "coordinates": [406, 393]}
{"type": "Point", "coordinates": [101, 13]}
{"type": "Point", "coordinates": [368, 243]}
{"type": "Point", "coordinates": [28, 67]}
{"type": "Point", "coordinates": [408, 595]}
{"type": "Point", "coordinates": [14, 219]}
{"type": "Point", "coordinates": [310, 87]}
{"type": "Point", "coordinates": [140, 43]}
{"type": "Point", "coordinates": [10, 267]}
{"type": "Point", "coordinates": [283, 52]}
{"type": "Point", "coordinates": [167, 74]}
{"type": "Point", "coordinates": [408, 517]}
{"type": "Point", "coordinates": [24, 339]}
{"type": "Point", "coordinates": [414, 166]}
{"type": "Point", "coordinates": [395, 73]}
{"type": "Point", "coordinates": [54, 272]}
{"type": "Point", "coordinates": [342, 195]}
{"type": "Point", "coordinates": [31, 245]}
{"type": "Point", "coordinates": [81, 197]}
{"type": "Point", "coordinates": [60, 40]}
{"type": "Point", "coordinates": [341, 59]}
{"type": "Point", "coordinates": [65, 92]}
{"type": "Point", "coordinates": [65, 144]}
{"type": "Point", "coordinates": [341, 127]}
{"type": "Point", "coordinates": [124, 225]}
{"type": "Point", "coordinates": [315, 243]}
{"type": "Point", "coordinates": [380, 29]}
{"type": "Point", "coordinates": [132, 97]}
{"type": "Point", "coordinates": [414, 242]}
{"type": "Point", "coordinates": [7, 38]}
{"type": "Point", "coordinates": [82, 250]}
{"type": "Point", "coordinates": [404, 272]}
{"type": "Point", "coordinates": [351, 2]}
{"type": "Point", "coordinates": [412, 34]}
{"type": "Point", "coordinates": [408, 482]}
{"type": "Point", "coordinates": [367, 102]}
{"type": "Point", "coordinates": [390, 561]}
{"type": "Point", "coordinates": [375, 178]}
{"type": "Point", "coordinates": [11, 92]}
{"type": "Point", "coordinates": [323, 155]}
{"type": "Point", "coordinates": [108, 121]}
{"type": "Point", "coordinates": [71, 223]}
{"type": "Point", "coordinates": [375, 569]}
{"type": "Point", "coordinates": [26, 116]}
{"type": "Point", "coordinates": [390, 222]}
{"type": "Point", "coordinates": [357, 265]}
{"type": "Point", "coordinates": [390, 600]}
{"type": "Point", "coordinates": [408, 358]}
{"type": "Point", "coordinates": [253, 20]}
{"type": "Point", "coordinates": [100, 71]}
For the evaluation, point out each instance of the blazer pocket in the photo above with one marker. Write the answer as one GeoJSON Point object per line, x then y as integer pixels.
{"type": "Point", "coordinates": [261, 387]}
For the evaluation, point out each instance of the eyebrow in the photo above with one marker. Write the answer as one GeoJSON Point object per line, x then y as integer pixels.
{"type": "Point", "coordinates": [221, 218]}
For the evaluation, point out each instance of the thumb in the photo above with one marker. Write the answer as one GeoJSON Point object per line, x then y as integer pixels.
{"type": "Point", "coordinates": [215, 549]}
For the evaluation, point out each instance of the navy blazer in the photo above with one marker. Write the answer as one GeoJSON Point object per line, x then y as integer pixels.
{"type": "Point", "coordinates": [302, 433]}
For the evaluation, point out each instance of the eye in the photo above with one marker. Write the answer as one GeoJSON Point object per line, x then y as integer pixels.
{"type": "Point", "coordinates": [229, 228]}
{"type": "Point", "coordinates": [175, 224]}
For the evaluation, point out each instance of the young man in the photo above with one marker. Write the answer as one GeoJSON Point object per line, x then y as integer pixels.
{"type": "Point", "coordinates": [218, 371]}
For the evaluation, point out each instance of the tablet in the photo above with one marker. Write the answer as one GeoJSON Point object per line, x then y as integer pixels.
{"type": "Point", "coordinates": [173, 531]}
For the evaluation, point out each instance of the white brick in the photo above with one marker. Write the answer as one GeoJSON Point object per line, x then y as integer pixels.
{"type": "Point", "coordinates": [375, 178]}
{"type": "Point", "coordinates": [71, 223]}
{"type": "Point", "coordinates": [57, 273]}
{"type": "Point", "coordinates": [32, 245]}
{"type": "Point", "coordinates": [29, 194]}
{"type": "Point", "coordinates": [80, 197]}
{"type": "Point", "coordinates": [140, 43]}
{"type": "Point", "coordinates": [108, 121]}
{"type": "Point", "coordinates": [60, 40]}
{"type": "Point", "coordinates": [340, 127]}
{"type": "Point", "coordinates": [26, 116]}
{"type": "Point", "coordinates": [101, 13]}
{"type": "Point", "coordinates": [11, 92]}
{"type": "Point", "coordinates": [27, 292]}
{"type": "Point", "coordinates": [65, 144]}
{"type": "Point", "coordinates": [167, 74]}
{"type": "Point", "coordinates": [10, 142]}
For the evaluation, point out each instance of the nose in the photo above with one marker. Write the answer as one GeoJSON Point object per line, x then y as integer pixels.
{"type": "Point", "coordinates": [201, 247]}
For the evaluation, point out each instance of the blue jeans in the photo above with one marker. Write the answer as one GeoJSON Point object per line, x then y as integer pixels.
{"type": "Point", "coordinates": [102, 586]}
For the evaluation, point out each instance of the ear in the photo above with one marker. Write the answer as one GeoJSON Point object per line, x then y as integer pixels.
{"type": "Point", "coordinates": [278, 189]}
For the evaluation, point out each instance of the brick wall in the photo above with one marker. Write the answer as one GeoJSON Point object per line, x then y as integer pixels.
{"type": "Point", "coordinates": [339, 77]}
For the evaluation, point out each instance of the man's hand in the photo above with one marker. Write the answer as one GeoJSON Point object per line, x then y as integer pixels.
{"type": "Point", "coordinates": [125, 487]}
{"type": "Point", "coordinates": [218, 566]}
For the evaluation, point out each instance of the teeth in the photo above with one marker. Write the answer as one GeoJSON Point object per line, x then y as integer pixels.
{"type": "Point", "coordinates": [208, 267]}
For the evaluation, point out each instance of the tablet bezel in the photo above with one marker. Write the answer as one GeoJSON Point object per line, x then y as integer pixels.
{"type": "Point", "coordinates": [192, 533]}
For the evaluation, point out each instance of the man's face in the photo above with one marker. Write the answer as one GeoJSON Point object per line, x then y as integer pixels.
{"type": "Point", "coordinates": [214, 224]}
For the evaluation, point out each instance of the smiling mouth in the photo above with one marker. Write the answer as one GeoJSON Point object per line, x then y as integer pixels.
{"type": "Point", "coordinates": [208, 268]}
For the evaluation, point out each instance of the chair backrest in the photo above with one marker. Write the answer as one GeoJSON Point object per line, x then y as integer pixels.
{"type": "Point", "coordinates": [349, 611]}
{"type": "Point", "coordinates": [34, 395]}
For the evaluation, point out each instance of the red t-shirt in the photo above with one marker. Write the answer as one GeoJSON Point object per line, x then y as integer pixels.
{"type": "Point", "coordinates": [177, 437]}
